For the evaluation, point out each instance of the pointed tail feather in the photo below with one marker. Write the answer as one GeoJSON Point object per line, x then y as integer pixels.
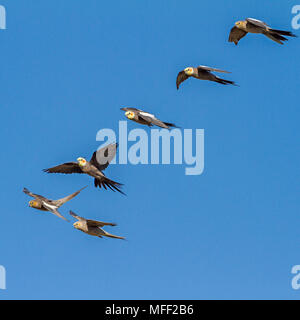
{"type": "Point", "coordinates": [106, 234]}
{"type": "Point", "coordinates": [107, 183]}
{"type": "Point", "coordinates": [284, 33]}
{"type": "Point", "coordinates": [172, 125]}
{"type": "Point", "coordinates": [276, 37]}
{"type": "Point", "coordinates": [225, 82]}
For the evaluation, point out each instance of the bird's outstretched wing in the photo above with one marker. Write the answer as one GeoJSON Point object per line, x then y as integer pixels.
{"type": "Point", "coordinates": [33, 195]}
{"type": "Point", "coordinates": [257, 23]}
{"type": "Point", "coordinates": [74, 215]}
{"type": "Point", "coordinates": [53, 209]}
{"type": "Point", "coordinates": [236, 34]}
{"type": "Point", "coordinates": [95, 223]}
{"type": "Point", "coordinates": [182, 76]}
{"type": "Point", "coordinates": [130, 109]}
{"type": "Point", "coordinates": [62, 201]}
{"type": "Point", "coordinates": [67, 168]}
{"type": "Point", "coordinates": [205, 68]}
{"type": "Point", "coordinates": [153, 120]}
{"type": "Point", "coordinates": [102, 158]}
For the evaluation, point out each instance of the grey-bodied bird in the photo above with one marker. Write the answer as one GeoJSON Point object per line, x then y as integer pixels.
{"type": "Point", "coordinates": [145, 118]}
{"type": "Point", "coordinates": [251, 25]}
{"type": "Point", "coordinates": [93, 227]}
{"type": "Point", "coordinates": [99, 162]}
{"type": "Point", "coordinates": [202, 73]}
{"type": "Point", "coordinates": [44, 204]}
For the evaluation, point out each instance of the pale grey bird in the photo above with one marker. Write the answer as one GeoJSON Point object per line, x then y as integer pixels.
{"type": "Point", "coordinates": [145, 118]}
{"type": "Point", "coordinates": [251, 25]}
{"type": "Point", "coordinates": [202, 73]}
{"type": "Point", "coordinates": [44, 204]}
{"type": "Point", "coordinates": [93, 227]}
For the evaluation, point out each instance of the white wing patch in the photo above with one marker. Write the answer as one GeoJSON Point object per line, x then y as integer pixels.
{"type": "Point", "coordinates": [147, 114]}
{"type": "Point", "coordinates": [47, 205]}
{"type": "Point", "coordinates": [259, 21]}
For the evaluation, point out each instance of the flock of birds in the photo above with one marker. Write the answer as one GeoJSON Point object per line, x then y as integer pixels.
{"type": "Point", "coordinates": [101, 158]}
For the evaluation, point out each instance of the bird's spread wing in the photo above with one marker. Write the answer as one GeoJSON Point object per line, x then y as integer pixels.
{"type": "Point", "coordinates": [211, 69]}
{"type": "Point", "coordinates": [53, 209]}
{"type": "Point", "coordinates": [94, 223]}
{"type": "Point", "coordinates": [236, 34]}
{"type": "Point", "coordinates": [182, 76]}
{"type": "Point", "coordinates": [62, 201]}
{"type": "Point", "coordinates": [33, 195]}
{"type": "Point", "coordinates": [67, 168]}
{"type": "Point", "coordinates": [102, 158]}
{"type": "Point", "coordinates": [153, 120]}
{"type": "Point", "coordinates": [74, 215]}
{"type": "Point", "coordinates": [257, 23]}
{"type": "Point", "coordinates": [130, 109]}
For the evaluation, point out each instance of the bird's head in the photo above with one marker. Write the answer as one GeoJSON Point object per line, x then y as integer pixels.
{"type": "Point", "coordinates": [189, 71]}
{"type": "Point", "coordinates": [240, 24]}
{"type": "Point", "coordinates": [81, 162]}
{"type": "Point", "coordinates": [77, 225]}
{"type": "Point", "coordinates": [33, 204]}
{"type": "Point", "coordinates": [129, 114]}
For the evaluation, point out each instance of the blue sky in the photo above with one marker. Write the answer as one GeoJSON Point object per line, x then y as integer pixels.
{"type": "Point", "coordinates": [230, 233]}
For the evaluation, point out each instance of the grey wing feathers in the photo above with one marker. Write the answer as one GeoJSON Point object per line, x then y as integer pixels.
{"type": "Point", "coordinates": [236, 35]}
{"type": "Point", "coordinates": [74, 215]}
{"type": "Point", "coordinates": [67, 168]}
{"type": "Point", "coordinates": [257, 23]}
{"type": "Point", "coordinates": [212, 69]}
{"type": "Point", "coordinates": [33, 195]}
{"type": "Point", "coordinates": [95, 223]}
{"type": "Point", "coordinates": [182, 76]}
{"type": "Point", "coordinates": [130, 109]}
{"type": "Point", "coordinates": [61, 201]}
{"type": "Point", "coordinates": [153, 121]}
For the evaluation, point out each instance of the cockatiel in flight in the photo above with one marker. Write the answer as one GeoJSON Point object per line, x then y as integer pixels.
{"type": "Point", "coordinates": [44, 204]}
{"type": "Point", "coordinates": [201, 73]}
{"type": "Point", "coordinates": [145, 118]}
{"type": "Point", "coordinates": [99, 162]}
{"type": "Point", "coordinates": [251, 25]}
{"type": "Point", "coordinates": [93, 227]}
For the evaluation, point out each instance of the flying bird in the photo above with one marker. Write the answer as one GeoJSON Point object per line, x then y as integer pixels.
{"type": "Point", "coordinates": [44, 204]}
{"type": "Point", "coordinates": [99, 162]}
{"type": "Point", "coordinates": [202, 73]}
{"type": "Point", "coordinates": [251, 25]}
{"type": "Point", "coordinates": [92, 227]}
{"type": "Point", "coordinates": [145, 118]}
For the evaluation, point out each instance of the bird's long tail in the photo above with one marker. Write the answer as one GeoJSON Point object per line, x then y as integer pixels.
{"type": "Point", "coordinates": [283, 33]}
{"type": "Point", "coordinates": [172, 125]}
{"type": "Point", "coordinates": [60, 202]}
{"type": "Point", "coordinates": [106, 234]}
{"type": "Point", "coordinates": [277, 35]}
{"type": "Point", "coordinates": [107, 183]}
{"type": "Point", "coordinates": [224, 81]}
